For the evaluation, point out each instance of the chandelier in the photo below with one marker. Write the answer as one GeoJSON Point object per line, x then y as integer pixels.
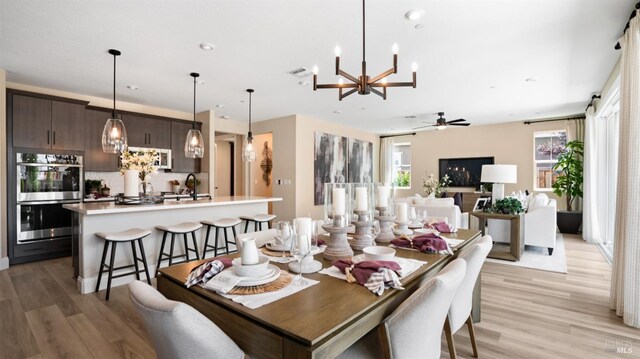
{"type": "Point", "coordinates": [364, 84]}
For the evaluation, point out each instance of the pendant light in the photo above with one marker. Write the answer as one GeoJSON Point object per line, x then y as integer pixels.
{"type": "Point", "coordinates": [114, 135]}
{"type": "Point", "coordinates": [248, 152]}
{"type": "Point", "coordinates": [194, 144]}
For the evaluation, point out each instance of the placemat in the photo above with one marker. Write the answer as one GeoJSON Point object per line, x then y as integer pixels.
{"type": "Point", "coordinates": [271, 253]}
{"type": "Point", "coordinates": [282, 281]}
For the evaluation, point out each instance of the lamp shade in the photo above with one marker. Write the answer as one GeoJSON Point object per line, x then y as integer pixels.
{"type": "Point", "coordinates": [499, 174]}
{"type": "Point", "coordinates": [194, 144]}
{"type": "Point", "coordinates": [114, 136]}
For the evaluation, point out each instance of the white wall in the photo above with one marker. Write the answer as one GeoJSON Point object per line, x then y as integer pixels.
{"type": "Point", "coordinates": [4, 259]}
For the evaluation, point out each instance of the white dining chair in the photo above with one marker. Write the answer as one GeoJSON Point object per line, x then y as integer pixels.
{"type": "Point", "coordinates": [414, 329]}
{"type": "Point", "coordinates": [460, 311]}
{"type": "Point", "coordinates": [177, 330]}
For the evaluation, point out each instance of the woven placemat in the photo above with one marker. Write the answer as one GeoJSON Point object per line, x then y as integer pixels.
{"type": "Point", "coordinates": [284, 280]}
{"type": "Point", "coordinates": [276, 253]}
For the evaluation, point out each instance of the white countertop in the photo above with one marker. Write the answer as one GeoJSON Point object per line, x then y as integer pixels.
{"type": "Point", "coordinates": [97, 208]}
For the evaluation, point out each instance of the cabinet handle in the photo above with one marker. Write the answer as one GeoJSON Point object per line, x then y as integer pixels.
{"type": "Point", "coordinates": [149, 138]}
{"type": "Point", "coordinates": [54, 138]}
{"type": "Point", "coordinates": [48, 137]}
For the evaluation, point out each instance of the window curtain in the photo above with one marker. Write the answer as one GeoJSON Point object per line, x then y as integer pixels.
{"type": "Point", "coordinates": [592, 147]}
{"type": "Point", "coordinates": [625, 281]}
{"type": "Point", "coordinates": [386, 160]}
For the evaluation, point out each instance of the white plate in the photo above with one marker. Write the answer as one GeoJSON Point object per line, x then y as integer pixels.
{"type": "Point", "coordinates": [426, 231]}
{"type": "Point", "coordinates": [360, 258]}
{"type": "Point", "coordinates": [272, 275]}
{"type": "Point", "coordinates": [277, 248]}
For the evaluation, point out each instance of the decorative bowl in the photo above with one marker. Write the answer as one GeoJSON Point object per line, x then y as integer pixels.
{"type": "Point", "coordinates": [379, 253]}
{"type": "Point", "coordinates": [253, 270]}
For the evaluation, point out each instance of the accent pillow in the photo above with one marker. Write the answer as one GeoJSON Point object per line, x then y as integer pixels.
{"type": "Point", "coordinates": [420, 200]}
{"type": "Point", "coordinates": [440, 202]}
{"type": "Point", "coordinates": [539, 200]}
{"type": "Point", "coordinates": [457, 200]}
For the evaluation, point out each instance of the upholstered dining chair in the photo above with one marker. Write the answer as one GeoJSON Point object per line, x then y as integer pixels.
{"type": "Point", "coordinates": [414, 329]}
{"type": "Point", "coordinates": [460, 311]}
{"type": "Point", "coordinates": [177, 330]}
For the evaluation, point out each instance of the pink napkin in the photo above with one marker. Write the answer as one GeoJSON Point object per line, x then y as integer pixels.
{"type": "Point", "coordinates": [207, 270]}
{"type": "Point", "coordinates": [441, 227]}
{"type": "Point", "coordinates": [430, 243]}
{"type": "Point", "coordinates": [375, 275]}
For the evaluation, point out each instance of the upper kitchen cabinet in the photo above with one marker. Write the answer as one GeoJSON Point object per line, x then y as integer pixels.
{"type": "Point", "coordinates": [43, 123]}
{"type": "Point", "coordinates": [94, 158]}
{"type": "Point", "coordinates": [182, 164]}
{"type": "Point", "coordinates": [143, 131]}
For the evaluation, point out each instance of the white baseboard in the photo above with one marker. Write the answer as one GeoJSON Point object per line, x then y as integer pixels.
{"type": "Point", "coordinates": [4, 263]}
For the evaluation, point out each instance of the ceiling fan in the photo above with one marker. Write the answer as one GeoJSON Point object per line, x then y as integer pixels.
{"type": "Point", "coordinates": [442, 123]}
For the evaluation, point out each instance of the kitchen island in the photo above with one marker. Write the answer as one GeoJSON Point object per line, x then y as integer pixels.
{"type": "Point", "coordinates": [94, 217]}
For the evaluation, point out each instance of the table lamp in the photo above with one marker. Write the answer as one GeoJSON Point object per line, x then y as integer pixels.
{"type": "Point", "coordinates": [499, 175]}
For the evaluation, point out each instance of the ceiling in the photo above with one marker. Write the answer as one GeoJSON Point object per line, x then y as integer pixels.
{"type": "Point", "coordinates": [473, 56]}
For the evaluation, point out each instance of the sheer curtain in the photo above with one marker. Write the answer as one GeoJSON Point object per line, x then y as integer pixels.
{"type": "Point", "coordinates": [592, 147]}
{"type": "Point", "coordinates": [625, 282]}
{"type": "Point", "coordinates": [386, 159]}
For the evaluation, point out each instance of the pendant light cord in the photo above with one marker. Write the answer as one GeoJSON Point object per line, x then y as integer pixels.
{"type": "Point", "coordinates": [363, 32]}
{"type": "Point", "coordinates": [249, 113]}
{"type": "Point", "coordinates": [113, 113]}
{"type": "Point", "coordinates": [194, 103]}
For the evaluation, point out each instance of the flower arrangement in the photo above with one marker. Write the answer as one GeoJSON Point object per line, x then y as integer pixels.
{"type": "Point", "coordinates": [142, 161]}
{"type": "Point", "coordinates": [435, 186]}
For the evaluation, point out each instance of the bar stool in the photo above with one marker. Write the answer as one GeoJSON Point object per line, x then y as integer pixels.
{"type": "Point", "coordinates": [181, 228]}
{"type": "Point", "coordinates": [224, 223]}
{"type": "Point", "coordinates": [132, 236]}
{"type": "Point", "coordinates": [258, 219]}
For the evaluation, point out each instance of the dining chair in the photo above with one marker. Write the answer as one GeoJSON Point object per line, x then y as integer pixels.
{"type": "Point", "coordinates": [177, 330]}
{"type": "Point", "coordinates": [460, 311]}
{"type": "Point", "coordinates": [414, 329]}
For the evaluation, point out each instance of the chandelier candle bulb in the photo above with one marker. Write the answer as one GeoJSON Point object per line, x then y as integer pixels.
{"type": "Point", "coordinates": [361, 199]}
{"type": "Point", "coordinates": [383, 196]}
{"type": "Point", "coordinates": [338, 202]}
{"type": "Point", "coordinates": [401, 213]}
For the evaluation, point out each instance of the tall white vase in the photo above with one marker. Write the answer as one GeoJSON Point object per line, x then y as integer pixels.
{"type": "Point", "coordinates": [131, 183]}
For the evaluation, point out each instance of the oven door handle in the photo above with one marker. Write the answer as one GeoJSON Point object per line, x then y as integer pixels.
{"type": "Point", "coordinates": [57, 201]}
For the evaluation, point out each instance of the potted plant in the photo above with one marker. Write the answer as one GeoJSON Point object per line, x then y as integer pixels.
{"type": "Point", "coordinates": [92, 186]}
{"type": "Point", "coordinates": [508, 205]}
{"type": "Point", "coordinates": [569, 184]}
{"type": "Point", "coordinates": [189, 183]}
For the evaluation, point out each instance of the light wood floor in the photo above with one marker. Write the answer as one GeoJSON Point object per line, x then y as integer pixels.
{"type": "Point", "coordinates": [525, 314]}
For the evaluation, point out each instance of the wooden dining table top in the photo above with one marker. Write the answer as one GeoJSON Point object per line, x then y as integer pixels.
{"type": "Point", "coordinates": [320, 311]}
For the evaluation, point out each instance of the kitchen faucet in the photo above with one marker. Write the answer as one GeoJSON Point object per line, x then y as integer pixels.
{"type": "Point", "coordinates": [194, 194]}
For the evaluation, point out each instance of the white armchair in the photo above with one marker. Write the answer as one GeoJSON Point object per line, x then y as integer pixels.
{"type": "Point", "coordinates": [539, 224]}
{"type": "Point", "coordinates": [440, 208]}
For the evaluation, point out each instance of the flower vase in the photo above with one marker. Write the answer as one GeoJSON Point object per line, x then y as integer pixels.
{"type": "Point", "coordinates": [131, 183]}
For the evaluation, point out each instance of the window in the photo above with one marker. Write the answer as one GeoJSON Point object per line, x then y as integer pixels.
{"type": "Point", "coordinates": [547, 146]}
{"type": "Point", "coordinates": [402, 165]}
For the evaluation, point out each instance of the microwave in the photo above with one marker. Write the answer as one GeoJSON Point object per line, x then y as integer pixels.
{"type": "Point", "coordinates": [164, 156]}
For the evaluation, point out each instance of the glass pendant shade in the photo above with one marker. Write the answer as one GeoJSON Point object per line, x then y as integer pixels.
{"type": "Point", "coordinates": [248, 151]}
{"type": "Point", "coordinates": [194, 144]}
{"type": "Point", "coordinates": [114, 136]}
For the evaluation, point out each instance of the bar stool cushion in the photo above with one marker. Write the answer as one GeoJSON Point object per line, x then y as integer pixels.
{"type": "Point", "coordinates": [185, 227]}
{"type": "Point", "coordinates": [259, 217]}
{"type": "Point", "coordinates": [223, 222]}
{"type": "Point", "coordinates": [124, 236]}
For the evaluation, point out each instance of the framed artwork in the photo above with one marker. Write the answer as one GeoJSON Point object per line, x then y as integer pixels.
{"type": "Point", "coordinates": [360, 164]}
{"type": "Point", "coordinates": [330, 163]}
{"type": "Point", "coordinates": [480, 204]}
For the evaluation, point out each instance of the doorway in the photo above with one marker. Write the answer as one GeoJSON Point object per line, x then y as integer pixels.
{"type": "Point", "coordinates": [225, 175]}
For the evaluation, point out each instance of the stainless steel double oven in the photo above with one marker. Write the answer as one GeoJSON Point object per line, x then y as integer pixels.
{"type": "Point", "coordinates": [44, 183]}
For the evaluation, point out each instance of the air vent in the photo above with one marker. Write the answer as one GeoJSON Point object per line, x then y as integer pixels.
{"type": "Point", "coordinates": [300, 72]}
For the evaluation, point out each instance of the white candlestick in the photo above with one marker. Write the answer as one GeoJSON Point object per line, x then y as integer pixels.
{"type": "Point", "coordinates": [361, 199]}
{"type": "Point", "coordinates": [383, 196]}
{"type": "Point", "coordinates": [338, 204]}
{"type": "Point", "coordinates": [401, 212]}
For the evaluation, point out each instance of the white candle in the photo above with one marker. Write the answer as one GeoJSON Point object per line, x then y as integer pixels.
{"type": "Point", "coordinates": [361, 199]}
{"type": "Point", "coordinates": [304, 243]}
{"type": "Point", "coordinates": [401, 213]}
{"type": "Point", "coordinates": [303, 226]}
{"type": "Point", "coordinates": [131, 183]}
{"type": "Point", "coordinates": [338, 204]}
{"type": "Point", "coordinates": [383, 196]}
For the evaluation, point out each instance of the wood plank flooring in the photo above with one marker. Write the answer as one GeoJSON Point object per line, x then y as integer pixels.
{"type": "Point", "coordinates": [525, 314]}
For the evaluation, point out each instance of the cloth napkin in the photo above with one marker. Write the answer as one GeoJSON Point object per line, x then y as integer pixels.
{"type": "Point", "coordinates": [442, 227]}
{"type": "Point", "coordinates": [430, 243]}
{"type": "Point", "coordinates": [207, 270]}
{"type": "Point", "coordinates": [375, 275]}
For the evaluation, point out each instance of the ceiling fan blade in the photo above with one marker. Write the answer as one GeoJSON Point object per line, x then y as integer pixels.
{"type": "Point", "coordinates": [459, 124]}
{"type": "Point", "coordinates": [458, 120]}
{"type": "Point", "coordinates": [419, 127]}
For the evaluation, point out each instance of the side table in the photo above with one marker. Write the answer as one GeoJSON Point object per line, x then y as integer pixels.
{"type": "Point", "coordinates": [516, 237]}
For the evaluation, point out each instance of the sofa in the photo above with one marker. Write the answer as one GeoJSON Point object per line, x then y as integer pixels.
{"type": "Point", "coordinates": [539, 224]}
{"type": "Point", "coordinates": [439, 208]}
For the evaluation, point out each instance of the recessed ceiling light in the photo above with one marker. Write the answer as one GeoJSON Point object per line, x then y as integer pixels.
{"type": "Point", "coordinates": [418, 26]}
{"type": "Point", "coordinates": [225, 117]}
{"type": "Point", "coordinates": [413, 14]}
{"type": "Point", "coordinates": [337, 111]}
{"type": "Point", "coordinates": [363, 108]}
{"type": "Point", "coordinates": [303, 83]}
{"type": "Point", "coordinates": [492, 87]}
{"type": "Point", "coordinates": [531, 79]}
{"type": "Point", "coordinates": [219, 106]}
{"type": "Point", "coordinates": [132, 87]}
{"type": "Point", "coordinates": [206, 46]}
{"type": "Point", "coordinates": [200, 82]}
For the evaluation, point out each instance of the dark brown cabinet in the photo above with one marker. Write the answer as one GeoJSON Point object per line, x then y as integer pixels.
{"type": "Point", "coordinates": [182, 164]}
{"type": "Point", "coordinates": [145, 131]}
{"type": "Point", "coordinates": [94, 158]}
{"type": "Point", "coordinates": [47, 124]}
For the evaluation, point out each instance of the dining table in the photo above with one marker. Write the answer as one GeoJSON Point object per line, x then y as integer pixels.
{"type": "Point", "coordinates": [320, 321]}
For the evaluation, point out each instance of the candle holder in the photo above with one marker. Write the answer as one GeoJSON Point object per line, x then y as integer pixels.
{"type": "Point", "coordinates": [386, 225]}
{"type": "Point", "coordinates": [308, 263]}
{"type": "Point", "coordinates": [362, 237]}
{"type": "Point", "coordinates": [338, 244]}
{"type": "Point", "coordinates": [402, 228]}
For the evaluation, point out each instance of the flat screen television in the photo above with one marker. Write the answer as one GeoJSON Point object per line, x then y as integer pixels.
{"type": "Point", "coordinates": [464, 172]}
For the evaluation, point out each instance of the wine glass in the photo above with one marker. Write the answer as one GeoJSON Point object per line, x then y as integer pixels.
{"type": "Point", "coordinates": [421, 216]}
{"type": "Point", "coordinates": [316, 231]}
{"type": "Point", "coordinates": [375, 231]}
{"type": "Point", "coordinates": [300, 248]}
{"type": "Point", "coordinates": [283, 234]}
